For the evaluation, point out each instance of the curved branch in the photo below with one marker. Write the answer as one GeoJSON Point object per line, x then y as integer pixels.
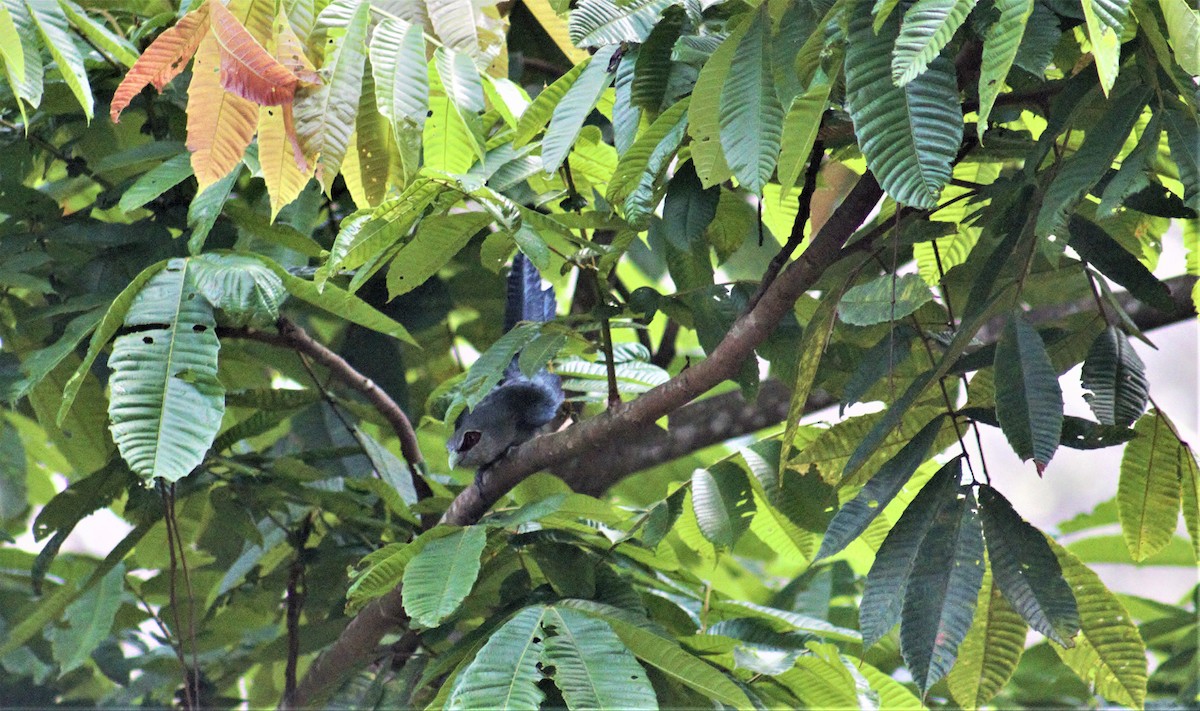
{"type": "Point", "coordinates": [296, 338]}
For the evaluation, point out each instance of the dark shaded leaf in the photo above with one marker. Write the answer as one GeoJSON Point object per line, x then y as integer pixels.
{"type": "Point", "coordinates": [1116, 378]}
{"type": "Point", "coordinates": [1029, 401]}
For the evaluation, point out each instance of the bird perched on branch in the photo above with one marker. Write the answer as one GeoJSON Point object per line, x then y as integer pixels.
{"type": "Point", "coordinates": [520, 406]}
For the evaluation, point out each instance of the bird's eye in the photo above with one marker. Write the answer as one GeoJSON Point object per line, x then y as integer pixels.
{"type": "Point", "coordinates": [470, 439]}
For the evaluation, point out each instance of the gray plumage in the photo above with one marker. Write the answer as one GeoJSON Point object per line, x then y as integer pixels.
{"type": "Point", "coordinates": [520, 406]}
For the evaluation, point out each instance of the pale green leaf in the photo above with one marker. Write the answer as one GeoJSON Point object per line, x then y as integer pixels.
{"type": "Point", "coordinates": [166, 403]}
{"type": "Point", "coordinates": [888, 298]}
{"type": "Point", "coordinates": [593, 669]}
{"type": "Point", "coordinates": [1148, 495]}
{"type": "Point", "coordinates": [576, 105]}
{"type": "Point", "coordinates": [1109, 654]}
{"type": "Point", "coordinates": [55, 31]}
{"type": "Point", "coordinates": [504, 674]}
{"type": "Point", "coordinates": [989, 653]}
{"type": "Point", "coordinates": [1000, 44]}
{"type": "Point", "coordinates": [438, 578]}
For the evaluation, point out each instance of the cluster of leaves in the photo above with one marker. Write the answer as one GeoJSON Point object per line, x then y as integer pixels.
{"type": "Point", "coordinates": [368, 167]}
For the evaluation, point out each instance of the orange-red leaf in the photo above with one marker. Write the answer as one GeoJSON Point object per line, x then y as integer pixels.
{"type": "Point", "coordinates": [164, 59]}
{"type": "Point", "coordinates": [246, 68]}
{"type": "Point", "coordinates": [220, 124]}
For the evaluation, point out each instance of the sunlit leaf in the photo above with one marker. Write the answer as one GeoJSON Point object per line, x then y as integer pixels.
{"type": "Point", "coordinates": [163, 60]}
{"type": "Point", "coordinates": [1148, 495]}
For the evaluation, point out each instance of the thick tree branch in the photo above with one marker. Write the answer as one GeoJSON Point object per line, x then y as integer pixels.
{"type": "Point", "coordinates": [750, 330]}
{"type": "Point", "coordinates": [290, 335]}
{"type": "Point", "coordinates": [359, 641]}
{"type": "Point", "coordinates": [717, 419]}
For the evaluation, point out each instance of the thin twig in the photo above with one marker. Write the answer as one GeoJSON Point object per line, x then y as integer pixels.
{"type": "Point", "coordinates": [292, 336]}
{"type": "Point", "coordinates": [296, 592]}
{"type": "Point", "coordinates": [59, 154]}
{"type": "Point", "coordinates": [803, 211]}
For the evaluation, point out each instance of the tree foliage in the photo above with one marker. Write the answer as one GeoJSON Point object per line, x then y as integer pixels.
{"type": "Point", "coordinates": [242, 308]}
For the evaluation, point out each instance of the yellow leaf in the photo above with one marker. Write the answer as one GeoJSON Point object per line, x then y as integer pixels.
{"type": "Point", "coordinates": [285, 179]}
{"type": "Point", "coordinates": [220, 124]}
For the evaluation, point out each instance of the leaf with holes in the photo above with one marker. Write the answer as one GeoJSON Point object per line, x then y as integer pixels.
{"type": "Point", "coordinates": [166, 403]}
{"type": "Point", "coordinates": [163, 60]}
{"type": "Point", "coordinates": [505, 672]}
{"type": "Point", "coordinates": [592, 668]}
{"type": "Point", "coordinates": [325, 113]}
{"type": "Point", "coordinates": [220, 125]}
{"type": "Point", "coordinates": [1029, 402]}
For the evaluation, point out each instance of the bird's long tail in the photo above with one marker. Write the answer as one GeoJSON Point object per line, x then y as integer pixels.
{"type": "Point", "coordinates": [527, 299]}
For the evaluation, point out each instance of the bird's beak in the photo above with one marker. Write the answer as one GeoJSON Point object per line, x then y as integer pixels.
{"type": "Point", "coordinates": [452, 460]}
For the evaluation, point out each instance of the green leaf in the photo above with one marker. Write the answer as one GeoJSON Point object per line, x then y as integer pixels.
{"type": "Point", "coordinates": [487, 370]}
{"type": "Point", "coordinates": [1078, 433]}
{"type": "Point", "coordinates": [340, 303]}
{"type": "Point", "coordinates": [166, 403]}
{"type": "Point", "coordinates": [652, 67]}
{"type": "Point", "coordinates": [910, 135]}
{"type": "Point", "coordinates": [28, 87]}
{"type": "Point", "coordinates": [792, 621]}
{"type": "Point", "coordinates": [1026, 571]}
{"type": "Point", "coordinates": [1189, 479]}
{"type": "Point", "coordinates": [940, 596]}
{"type": "Point", "coordinates": [1148, 494]}
{"type": "Point", "coordinates": [688, 209]}
{"type": "Point", "coordinates": [1109, 654]}
{"type": "Point", "coordinates": [751, 115]}
{"type": "Point", "coordinates": [438, 239]}
{"type": "Point", "coordinates": [800, 133]}
{"type": "Point", "coordinates": [401, 73]}
{"type": "Point", "coordinates": [1183, 31]}
{"type": "Point", "coordinates": [704, 113]}
{"type": "Point", "coordinates": [438, 578]}
{"type": "Point", "coordinates": [1183, 135]}
{"type": "Point", "coordinates": [206, 207]}
{"type": "Point", "coordinates": [989, 653]}
{"type": "Point", "coordinates": [928, 26]}
{"type": "Point", "coordinates": [242, 289]}
{"type": "Point", "coordinates": [569, 114]}
{"type": "Point", "coordinates": [593, 669]}
{"type": "Point", "coordinates": [504, 674]}
{"type": "Point", "coordinates": [55, 31]}
{"type": "Point", "coordinates": [1104, 19]}
{"type": "Point", "coordinates": [1131, 177]}
{"type": "Point", "coordinates": [157, 181]}
{"type": "Point", "coordinates": [1029, 400]}
{"type": "Point", "coordinates": [325, 113]}
{"type": "Point", "coordinates": [1116, 379]}
{"type": "Point", "coordinates": [51, 607]}
{"type": "Point", "coordinates": [887, 298]}
{"type": "Point", "coordinates": [1081, 171]}
{"type": "Point", "coordinates": [595, 23]}
{"type": "Point", "coordinates": [637, 180]}
{"type": "Point", "coordinates": [673, 662]}
{"type": "Point", "coordinates": [1001, 42]}
{"type": "Point", "coordinates": [853, 518]}
{"type": "Point", "coordinates": [98, 35]}
{"type": "Point", "coordinates": [1100, 250]}
{"type": "Point", "coordinates": [460, 80]}
{"type": "Point", "coordinates": [538, 113]}
{"type": "Point", "coordinates": [887, 582]}
{"type": "Point", "coordinates": [723, 503]}
{"type": "Point", "coordinates": [10, 47]}
{"type": "Point", "coordinates": [113, 318]}
{"type": "Point", "coordinates": [89, 621]}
